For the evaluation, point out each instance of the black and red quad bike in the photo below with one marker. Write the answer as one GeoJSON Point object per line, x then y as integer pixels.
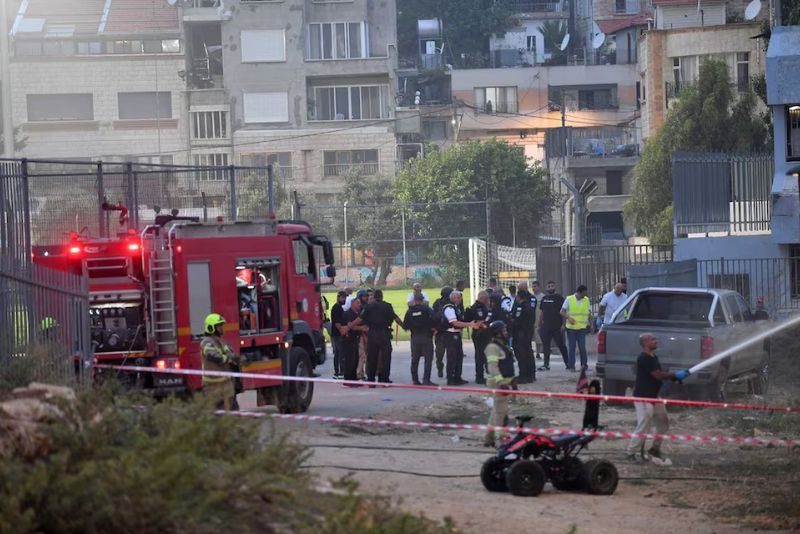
{"type": "Point", "coordinates": [524, 463]}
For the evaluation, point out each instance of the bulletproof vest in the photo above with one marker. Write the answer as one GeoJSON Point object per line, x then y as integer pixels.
{"type": "Point", "coordinates": [506, 365]}
{"type": "Point", "coordinates": [444, 324]}
{"type": "Point", "coordinates": [419, 319]}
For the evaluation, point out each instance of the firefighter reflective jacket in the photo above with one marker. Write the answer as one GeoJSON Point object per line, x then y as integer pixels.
{"type": "Point", "coordinates": [217, 356]}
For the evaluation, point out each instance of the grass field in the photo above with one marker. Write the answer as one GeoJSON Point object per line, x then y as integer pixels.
{"type": "Point", "coordinates": [397, 298]}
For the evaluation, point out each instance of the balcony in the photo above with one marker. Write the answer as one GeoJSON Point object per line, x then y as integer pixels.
{"type": "Point", "coordinates": [346, 169]}
{"type": "Point", "coordinates": [530, 7]}
{"type": "Point", "coordinates": [205, 11]}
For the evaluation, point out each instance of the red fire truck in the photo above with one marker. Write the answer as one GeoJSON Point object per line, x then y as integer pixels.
{"type": "Point", "coordinates": [150, 292]}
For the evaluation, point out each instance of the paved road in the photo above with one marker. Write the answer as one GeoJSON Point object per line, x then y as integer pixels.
{"type": "Point", "coordinates": [333, 399]}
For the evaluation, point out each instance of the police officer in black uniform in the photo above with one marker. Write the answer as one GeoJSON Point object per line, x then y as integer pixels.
{"type": "Point", "coordinates": [440, 344]}
{"type": "Point", "coordinates": [479, 312]}
{"type": "Point", "coordinates": [496, 311]}
{"type": "Point", "coordinates": [551, 324]}
{"type": "Point", "coordinates": [452, 324]}
{"type": "Point", "coordinates": [378, 316]}
{"type": "Point", "coordinates": [522, 327]}
{"type": "Point", "coordinates": [420, 320]}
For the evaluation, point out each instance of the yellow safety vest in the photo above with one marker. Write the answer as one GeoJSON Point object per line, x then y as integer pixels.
{"type": "Point", "coordinates": [579, 311]}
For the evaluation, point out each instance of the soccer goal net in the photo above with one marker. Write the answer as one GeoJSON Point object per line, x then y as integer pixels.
{"type": "Point", "coordinates": [509, 265]}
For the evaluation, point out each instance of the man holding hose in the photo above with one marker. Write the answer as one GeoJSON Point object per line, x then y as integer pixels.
{"type": "Point", "coordinates": [649, 378]}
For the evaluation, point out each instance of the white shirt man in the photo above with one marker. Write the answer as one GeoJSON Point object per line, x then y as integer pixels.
{"type": "Point", "coordinates": [611, 302]}
{"type": "Point", "coordinates": [416, 288]}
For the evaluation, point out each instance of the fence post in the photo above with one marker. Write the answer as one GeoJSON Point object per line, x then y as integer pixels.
{"type": "Point", "coordinates": [26, 216]}
{"type": "Point", "coordinates": [232, 178]}
{"type": "Point", "coordinates": [101, 197]}
{"type": "Point", "coordinates": [133, 204]}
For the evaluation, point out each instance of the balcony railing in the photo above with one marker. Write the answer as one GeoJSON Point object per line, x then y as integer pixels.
{"type": "Point", "coordinates": [345, 169]}
{"type": "Point", "coordinates": [535, 6]}
{"type": "Point", "coordinates": [601, 143]}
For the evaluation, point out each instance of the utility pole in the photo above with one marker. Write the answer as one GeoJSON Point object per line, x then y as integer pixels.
{"type": "Point", "coordinates": [5, 83]}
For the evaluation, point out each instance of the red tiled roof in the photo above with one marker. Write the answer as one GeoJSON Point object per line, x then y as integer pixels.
{"type": "Point", "coordinates": [609, 26]}
{"type": "Point", "coordinates": [124, 16]}
{"type": "Point", "coordinates": [133, 16]}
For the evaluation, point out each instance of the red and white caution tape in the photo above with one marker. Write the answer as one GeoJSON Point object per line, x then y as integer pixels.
{"type": "Point", "coordinates": [606, 434]}
{"type": "Point", "coordinates": [459, 389]}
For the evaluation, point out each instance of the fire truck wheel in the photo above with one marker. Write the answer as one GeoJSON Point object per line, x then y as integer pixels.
{"type": "Point", "coordinates": [296, 397]}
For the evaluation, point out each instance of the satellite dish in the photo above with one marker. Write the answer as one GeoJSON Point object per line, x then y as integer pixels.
{"type": "Point", "coordinates": [564, 43]}
{"type": "Point", "coordinates": [752, 9]}
{"type": "Point", "coordinates": [599, 39]}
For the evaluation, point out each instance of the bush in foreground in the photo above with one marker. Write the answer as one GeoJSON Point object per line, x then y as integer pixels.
{"type": "Point", "coordinates": [145, 467]}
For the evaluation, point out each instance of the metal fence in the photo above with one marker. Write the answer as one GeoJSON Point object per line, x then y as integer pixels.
{"type": "Point", "coordinates": [722, 193]}
{"type": "Point", "coordinates": [600, 267]}
{"type": "Point", "coordinates": [48, 199]}
{"type": "Point", "coordinates": [45, 333]}
{"type": "Point", "coordinates": [777, 280]}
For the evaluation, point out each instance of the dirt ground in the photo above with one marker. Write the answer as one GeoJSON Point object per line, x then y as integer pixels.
{"type": "Point", "coordinates": [711, 488]}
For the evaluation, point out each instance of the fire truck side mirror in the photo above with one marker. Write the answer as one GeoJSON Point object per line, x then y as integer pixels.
{"type": "Point", "coordinates": [327, 252]}
{"type": "Point", "coordinates": [330, 271]}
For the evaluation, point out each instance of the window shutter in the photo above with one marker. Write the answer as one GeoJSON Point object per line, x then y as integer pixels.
{"type": "Point", "coordinates": [266, 107]}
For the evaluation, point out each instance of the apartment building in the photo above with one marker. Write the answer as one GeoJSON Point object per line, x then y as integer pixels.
{"type": "Point", "coordinates": [682, 38]}
{"type": "Point", "coordinates": [307, 85]}
{"type": "Point", "coordinates": [96, 79]}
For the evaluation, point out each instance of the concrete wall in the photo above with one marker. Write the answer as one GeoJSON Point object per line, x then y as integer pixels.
{"type": "Point", "coordinates": [105, 135]}
{"type": "Point", "coordinates": [728, 247]}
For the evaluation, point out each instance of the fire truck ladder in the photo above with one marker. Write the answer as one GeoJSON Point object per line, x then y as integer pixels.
{"type": "Point", "coordinates": [162, 302]}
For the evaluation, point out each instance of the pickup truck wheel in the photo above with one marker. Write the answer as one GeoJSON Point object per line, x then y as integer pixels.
{"type": "Point", "coordinates": [615, 387]}
{"type": "Point", "coordinates": [715, 390]}
{"type": "Point", "coordinates": [295, 397]}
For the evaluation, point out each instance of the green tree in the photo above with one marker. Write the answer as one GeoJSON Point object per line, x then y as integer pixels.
{"type": "Point", "coordinates": [475, 171]}
{"type": "Point", "coordinates": [374, 222]}
{"type": "Point", "coordinates": [467, 24]}
{"type": "Point", "coordinates": [707, 118]}
{"type": "Point", "coordinates": [553, 32]}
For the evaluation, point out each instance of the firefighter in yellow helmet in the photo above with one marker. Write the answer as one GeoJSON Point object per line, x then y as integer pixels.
{"type": "Point", "coordinates": [218, 356]}
{"type": "Point", "coordinates": [500, 360]}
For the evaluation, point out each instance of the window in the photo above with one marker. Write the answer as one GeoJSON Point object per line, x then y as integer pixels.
{"type": "Point", "coordinates": [435, 130]}
{"type": "Point", "coordinates": [258, 295]}
{"type": "Point", "coordinates": [281, 162]}
{"type": "Point", "coordinates": [149, 105]}
{"type": "Point", "coordinates": [620, 6]}
{"type": "Point", "coordinates": [719, 314]}
{"type": "Point", "coordinates": [212, 159]}
{"type": "Point", "coordinates": [58, 48]}
{"type": "Point", "coordinates": [266, 107]}
{"type": "Point", "coordinates": [742, 70]}
{"type": "Point", "coordinates": [91, 47]}
{"type": "Point", "coordinates": [659, 307]}
{"type": "Point", "coordinates": [263, 46]}
{"type": "Point", "coordinates": [209, 124]}
{"type": "Point", "coordinates": [337, 40]}
{"type": "Point", "coordinates": [613, 182]}
{"type": "Point", "coordinates": [793, 133]}
{"type": "Point", "coordinates": [496, 99]}
{"type": "Point", "coordinates": [302, 261]}
{"type": "Point", "coordinates": [127, 47]}
{"type": "Point", "coordinates": [162, 46]}
{"type": "Point", "coordinates": [733, 308]}
{"type": "Point", "coordinates": [344, 162]}
{"type": "Point", "coordinates": [64, 107]}
{"type": "Point", "coordinates": [596, 99]}
{"type": "Point", "coordinates": [342, 103]}
{"type": "Point", "coordinates": [530, 44]}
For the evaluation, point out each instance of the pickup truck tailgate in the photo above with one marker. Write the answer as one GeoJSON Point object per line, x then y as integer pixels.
{"type": "Point", "coordinates": [677, 348]}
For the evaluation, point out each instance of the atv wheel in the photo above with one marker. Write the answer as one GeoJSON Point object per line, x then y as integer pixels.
{"type": "Point", "coordinates": [525, 478]}
{"type": "Point", "coordinates": [570, 476]}
{"type": "Point", "coordinates": [601, 477]}
{"type": "Point", "coordinates": [295, 397]}
{"type": "Point", "coordinates": [493, 474]}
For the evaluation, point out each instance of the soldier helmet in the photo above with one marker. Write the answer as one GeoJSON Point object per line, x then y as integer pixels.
{"type": "Point", "coordinates": [496, 328]}
{"type": "Point", "coordinates": [213, 320]}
